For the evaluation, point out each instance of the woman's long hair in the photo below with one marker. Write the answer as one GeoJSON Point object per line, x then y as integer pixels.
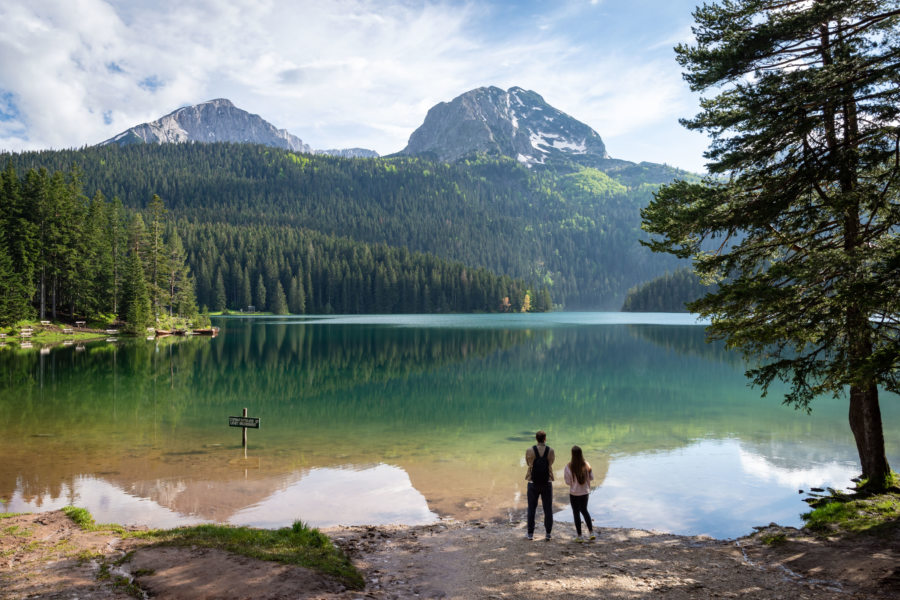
{"type": "Point", "coordinates": [578, 466]}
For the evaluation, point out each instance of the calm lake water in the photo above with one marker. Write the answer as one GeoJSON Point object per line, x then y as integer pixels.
{"type": "Point", "coordinates": [402, 419]}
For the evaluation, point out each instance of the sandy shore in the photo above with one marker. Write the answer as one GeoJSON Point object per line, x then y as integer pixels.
{"type": "Point", "coordinates": [46, 555]}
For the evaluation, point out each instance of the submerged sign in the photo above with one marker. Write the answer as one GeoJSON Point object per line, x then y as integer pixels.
{"type": "Point", "coordinates": [252, 422]}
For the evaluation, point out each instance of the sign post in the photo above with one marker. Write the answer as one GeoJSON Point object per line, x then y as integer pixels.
{"type": "Point", "coordinates": [244, 422]}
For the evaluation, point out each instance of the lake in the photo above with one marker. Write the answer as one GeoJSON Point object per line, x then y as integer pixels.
{"type": "Point", "coordinates": [404, 419]}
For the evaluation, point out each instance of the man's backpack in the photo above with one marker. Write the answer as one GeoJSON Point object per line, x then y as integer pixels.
{"type": "Point", "coordinates": [540, 467]}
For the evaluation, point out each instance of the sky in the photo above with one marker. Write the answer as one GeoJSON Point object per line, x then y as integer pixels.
{"type": "Point", "coordinates": [344, 73]}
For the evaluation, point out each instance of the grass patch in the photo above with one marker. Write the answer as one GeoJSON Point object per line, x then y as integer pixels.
{"type": "Point", "coordinates": [10, 515]}
{"type": "Point", "coordinates": [860, 512]}
{"type": "Point", "coordinates": [773, 539]}
{"type": "Point", "coordinates": [86, 556]}
{"type": "Point", "coordinates": [18, 531]}
{"type": "Point", "coordinates": [143, 572]}
{"type": "Point", "coordinates": [128, 586]}
{"type": "Point", "coordinates": [296, 545]}
{"type": "Point", "coordinates": [85, 520]}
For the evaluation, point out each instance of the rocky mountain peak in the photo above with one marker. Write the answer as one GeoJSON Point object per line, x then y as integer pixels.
{"type": "Point", "coordinates": [517, 123]}
{"type": "Point", "coordinates": [216, 120]}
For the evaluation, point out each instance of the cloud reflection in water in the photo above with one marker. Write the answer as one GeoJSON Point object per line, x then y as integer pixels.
{"type": "Point", "coordinates": [682, 491]}
{"type": "Point", "coordinates": [324, 497]}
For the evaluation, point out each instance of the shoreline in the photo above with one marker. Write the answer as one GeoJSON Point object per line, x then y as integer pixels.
{"type": "Point", "coordinates": [45, 554]}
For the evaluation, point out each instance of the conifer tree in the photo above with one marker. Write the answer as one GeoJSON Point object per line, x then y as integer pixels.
{"type": "Point", "coordinates": [14, 299]}
{"type": "Point", "coordinates": [179, 292]}
{"type": "Point", "coordinates": [260, 293]}
{"type": "Point", "coordinates": [279, 304]}
{"type": "Point", "coordinates": [118, 242]}
{"type": "Point", "coordinates": [156, 257]}
{"type": "Point", "coordinates": [20, 230]}
{"type": "Point", "coordinates": [245, 295]}
{"type": "Point", "coordinates": [219, 298]}
{"type": "Point", "coordinates": [296, 297]}
{"type": "Point", "coordinates": [803, 201]}
{"type": "Point", "coordinates": [136, 297]}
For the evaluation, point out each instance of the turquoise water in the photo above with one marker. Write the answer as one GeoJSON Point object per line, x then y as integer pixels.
{"type": "Point", "coordinates": [402, 419]}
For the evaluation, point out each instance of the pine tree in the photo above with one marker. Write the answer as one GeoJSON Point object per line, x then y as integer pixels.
{"type": "Point", "coordinates": [296, 297]}
{"type": "Point", "coordinates": [14, 299]}
{"type": "Point", "coordinates": [245, 294]}
{"type": "Point", "coordinates": [802, 199]}
{"type": "Point", "coordinates": [279, 304]}
{"type": "Point", "coordinates": [260, 293]}
{"type": "Point", "coordinates": [179, 290]}
{"type": "Point", "coordinates": [118, 242]}
{"type": "Point", "coordinates": [136, 297]}
{"type": "Point", "coordinates": [156, 256]}
{"type": "Point", "coordinates": [219, 300]}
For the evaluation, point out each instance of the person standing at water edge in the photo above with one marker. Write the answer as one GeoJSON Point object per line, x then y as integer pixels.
{"type": "Point", "coordinates": [578, 475]}
{"type": "Point", "coordinates": [539, 476]}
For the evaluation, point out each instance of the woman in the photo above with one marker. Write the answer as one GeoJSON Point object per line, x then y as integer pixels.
{"type": "Point", "coordinates": [578, 475]}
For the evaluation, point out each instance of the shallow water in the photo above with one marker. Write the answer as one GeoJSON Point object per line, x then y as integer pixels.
{"type": "Point", "coordinates": [399, 419]}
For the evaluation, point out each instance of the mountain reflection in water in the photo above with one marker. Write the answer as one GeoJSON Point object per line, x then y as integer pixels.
{"type": "Point", "coordinates": [442, 406]}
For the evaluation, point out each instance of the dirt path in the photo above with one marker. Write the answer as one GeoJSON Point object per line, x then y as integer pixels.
{"type": "Point", "coordinates": [47, 556]}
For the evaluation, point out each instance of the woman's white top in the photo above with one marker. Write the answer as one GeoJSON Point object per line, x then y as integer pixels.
{"type": "Point", "coordinates": [575, 488]}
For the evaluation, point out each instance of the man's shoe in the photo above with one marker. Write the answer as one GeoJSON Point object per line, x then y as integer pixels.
{"type": "Point", "coordinates": [579, 539]}
{"type": "Point", "coordinates": [593, 537]}
{"type": "Point", "coordinates": [529, 537]}
{"type": "Point", "coordinates": [547, 539]}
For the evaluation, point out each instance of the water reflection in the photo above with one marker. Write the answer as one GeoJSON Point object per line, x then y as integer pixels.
{"type": "Point", "coordinates": [102, 498]}
{"type": "Point", "coordinates": [447, 402]}
{"type": "Point", "coordinates": [377, 495]}
{"type": "Point", "coordinates": [712, 487]}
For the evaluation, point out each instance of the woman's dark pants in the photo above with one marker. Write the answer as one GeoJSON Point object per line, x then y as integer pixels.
{"type": "Point", "coordinates": [579, 507]}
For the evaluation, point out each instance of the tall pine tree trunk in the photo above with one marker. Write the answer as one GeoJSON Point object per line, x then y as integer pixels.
{"type": "Point", "coordinates": [53, 287]}
{"type": "Point", "coordinates": [865, 422]}
{"type": "Point", "coordinates": [865, 413]}
{"type": "Point", "coordinates": [43, 292]}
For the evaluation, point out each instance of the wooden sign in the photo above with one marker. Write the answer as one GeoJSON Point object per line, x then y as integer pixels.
{"type": "Point", "coordinates": [252, 422]}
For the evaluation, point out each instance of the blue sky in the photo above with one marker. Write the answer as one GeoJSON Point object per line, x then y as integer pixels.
{"type": "Point", "coordinates": [343, 73]}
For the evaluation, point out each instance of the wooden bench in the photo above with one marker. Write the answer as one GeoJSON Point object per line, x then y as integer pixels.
{"type": "Point", "coordinates": [45, 322]}
{"type": "Point", "coordinates": [68, 331]}
{"type": "Point", "coordinates": [112, 331]}
{"type": "Point", "coordinates": [80, 323]}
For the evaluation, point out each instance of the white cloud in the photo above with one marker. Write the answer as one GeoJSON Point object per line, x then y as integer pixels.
{"type": "Point", "coordinates": [337, 74]}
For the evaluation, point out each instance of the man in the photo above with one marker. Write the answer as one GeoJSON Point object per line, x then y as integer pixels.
{"type": "Point", "coordinates": [539, 476]}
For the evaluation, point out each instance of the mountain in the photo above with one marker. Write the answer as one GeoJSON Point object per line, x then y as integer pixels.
{"type": "Point", "coordinates": [516, 123]}
{"type": "Point", "coordinates": [493, 179]}
{"type": "Point", "coordinates": [214, 121]}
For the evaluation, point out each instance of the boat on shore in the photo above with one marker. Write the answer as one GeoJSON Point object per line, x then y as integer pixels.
{"type": "Point", "coordinates": [213, 331]}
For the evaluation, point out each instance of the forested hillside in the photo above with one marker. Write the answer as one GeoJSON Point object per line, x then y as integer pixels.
{"type": "Point", "coordinates": [289, 270]}
{"type": "Point", "coordinates": [64, 255]}
{"type": "Point", "coordinates": [666, 293]}
{"type": "Point", "coordinates": [572, 229]}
